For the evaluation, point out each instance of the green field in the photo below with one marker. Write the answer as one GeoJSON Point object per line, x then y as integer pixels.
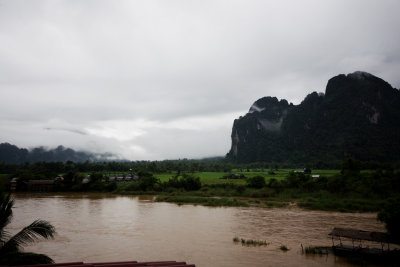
{"type": "Point", "coordinates": [214, 177]}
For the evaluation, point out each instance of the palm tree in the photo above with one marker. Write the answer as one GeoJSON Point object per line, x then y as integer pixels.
{"type": "Point", "coordinates": [11, 246]}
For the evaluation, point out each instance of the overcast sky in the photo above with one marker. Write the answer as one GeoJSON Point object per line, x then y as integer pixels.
{"type": "Point", "coordinates": [150, 80]}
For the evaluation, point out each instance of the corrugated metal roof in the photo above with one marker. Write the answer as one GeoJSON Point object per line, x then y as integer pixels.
{"type": "Point", "coordinates": [360, 234]}
{"type": "Point", "coordinates": [115, 264]}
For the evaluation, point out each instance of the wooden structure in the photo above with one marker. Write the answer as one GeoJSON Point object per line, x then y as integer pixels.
{"type": "Point", "coordinates": [355, 234]}
{"type": "Point", "coordinates": [40, 185]}
{"type": "Point", "coordinates": [357, 248]}
{"type": "Point", "coordinates": [116, 264]}
{"type": "Point", "coordinates": [13, 184]}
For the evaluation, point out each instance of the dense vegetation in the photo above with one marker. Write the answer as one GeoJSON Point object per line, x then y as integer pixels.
{"type": "Point", "coordinates": [348, 189]}
{"type": "Point", "coordinates": [358, 116]}
{"type": "Point", "coordinates": [42, 170]}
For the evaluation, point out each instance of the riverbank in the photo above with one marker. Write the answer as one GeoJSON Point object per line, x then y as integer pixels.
{"type": "Point", "coordinates": [341, 205]}
{"type": "Point", "coordinates": [350, 191]}
{"type": "Point", "coordinates": [264, 198]}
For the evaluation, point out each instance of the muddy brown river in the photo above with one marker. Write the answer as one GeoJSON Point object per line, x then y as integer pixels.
{"type": "Point", "coordinates": [94, 228]}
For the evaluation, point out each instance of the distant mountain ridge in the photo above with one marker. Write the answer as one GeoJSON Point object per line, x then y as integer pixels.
{"type": "Point", "coordinates": [12, 154]}
{"type": "Point", "coordinates": [358, 116]}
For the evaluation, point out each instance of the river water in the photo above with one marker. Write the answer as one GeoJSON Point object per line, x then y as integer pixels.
{"type": "Point", "coordinates": [93, 228]}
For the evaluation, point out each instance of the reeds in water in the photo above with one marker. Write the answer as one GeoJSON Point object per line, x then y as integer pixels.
{"type": "Point", "coordinates": [283, 248]}
{"type": "Point", "coordinates": [316, 250]}
{"type": "Point", "coordinates": [250, 242]}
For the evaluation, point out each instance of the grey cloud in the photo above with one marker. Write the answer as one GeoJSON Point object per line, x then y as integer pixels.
{"type": "Point", "coordinates": [77, 64]}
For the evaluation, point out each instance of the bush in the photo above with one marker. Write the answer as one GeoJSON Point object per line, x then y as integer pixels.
{"type": "Point", "coordinates": [111, 187]}
{"type": "Point", "coordinates": [147, 182]}
{"type": "Point", "coordinates": [390, 215]}
{"type": "Point", "coordinates": [132, 187]}
{"type": "Point", "coordinates": [274, 183]}
{"type": "Point", "coordinates": [262, 193]}
{"type": "Point", "coordinates": [256, 182]}
{"type": "Point", "coordinates": [297, 179]}
{"type": "Point", "coordinates": [240, 189]}
{"type": "Point", "coordinates": [96, 186]}
{"type": "Point", "coordinates": [187, 182]}
{"type": "Point", "coordinates": [190, 182]}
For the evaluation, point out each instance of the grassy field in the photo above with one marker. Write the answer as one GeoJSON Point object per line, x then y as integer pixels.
{"type": "Point", "coordinates": [214, 177]}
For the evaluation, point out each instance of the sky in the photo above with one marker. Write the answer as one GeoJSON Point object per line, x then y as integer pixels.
{"type": "Point", "coordinates": [154, 80]}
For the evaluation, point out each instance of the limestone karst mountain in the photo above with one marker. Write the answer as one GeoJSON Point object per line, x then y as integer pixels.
{"type": "Point", "coordinates": [358, 116]}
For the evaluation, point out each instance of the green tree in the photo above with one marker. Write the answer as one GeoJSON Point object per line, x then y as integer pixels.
{"type": "Point", "coordinates": [191, 182]}
{"type": "Point", "coordinates": [188, 182]}
{"type": "Point", "coordinates": [11, 246]}
{"type": "Point", "coordinates": [147, 181]}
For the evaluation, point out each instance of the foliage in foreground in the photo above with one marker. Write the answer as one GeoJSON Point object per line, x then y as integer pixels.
{"type": "Point", "coordinates": [11, 246]}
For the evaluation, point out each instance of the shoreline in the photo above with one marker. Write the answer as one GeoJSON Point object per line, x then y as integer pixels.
{"type": "Point", "coordinates": [193, 199]}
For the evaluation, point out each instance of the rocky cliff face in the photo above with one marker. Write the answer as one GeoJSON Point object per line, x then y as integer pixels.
{"type": "Point", "coordinates": [358, 116]}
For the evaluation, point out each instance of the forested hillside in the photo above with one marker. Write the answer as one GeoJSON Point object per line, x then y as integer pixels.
{"type": "Point", "coordinates": [12, 154]}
